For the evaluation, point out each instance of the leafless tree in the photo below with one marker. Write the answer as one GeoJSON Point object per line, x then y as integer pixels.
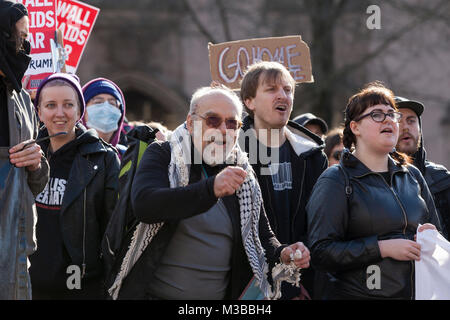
{"type": "Point", "coordinates": [321, 20]}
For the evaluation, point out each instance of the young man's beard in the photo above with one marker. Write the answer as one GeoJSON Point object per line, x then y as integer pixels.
{"type": "Point", "coordinates": [410, 150]}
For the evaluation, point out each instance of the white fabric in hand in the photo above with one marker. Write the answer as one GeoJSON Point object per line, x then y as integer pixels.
{"type": "Point", "coordinates": [433, 269]}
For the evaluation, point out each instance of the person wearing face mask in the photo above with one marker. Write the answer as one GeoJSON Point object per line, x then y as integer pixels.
{"type": "Point", "coordinates": [77, 203]}
{"type": "Point", "coordinates": [23, 168]}
{"type": "Point", "coordinates": [105, 111]}
{"type": "Point", "coordinates": [363, 214]}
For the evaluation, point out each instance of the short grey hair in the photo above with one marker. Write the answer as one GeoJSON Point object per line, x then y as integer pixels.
{"type": "Point", "coordinates": [202, 92]}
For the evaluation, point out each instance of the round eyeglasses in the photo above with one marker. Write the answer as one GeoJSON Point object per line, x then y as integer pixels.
{"type": "Point", "coordinates": [216, 121]}
{"type": "Point", "coordinates": [379, 116]}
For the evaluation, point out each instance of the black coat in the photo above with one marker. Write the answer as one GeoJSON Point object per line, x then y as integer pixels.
{"type": "Point", "coordinates": [438, 180]}
{"type": "Point", "coordinates": [89, 200]}
{"type": "Point", "coordinates": [344, 233]}
{"type": "Point", "coordinates": [306, 169]}
{"type": "Point", "coordinates": [153, 201]}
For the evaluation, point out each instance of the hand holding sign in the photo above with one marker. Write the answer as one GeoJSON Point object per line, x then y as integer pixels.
{"type": "Point", "coordinates": [76, 21]}
{"type": "Point", "coordinates": [42, 19]}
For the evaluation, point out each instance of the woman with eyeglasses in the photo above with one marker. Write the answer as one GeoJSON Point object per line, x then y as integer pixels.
{"type": "Point", "coordinates": [363, 214]}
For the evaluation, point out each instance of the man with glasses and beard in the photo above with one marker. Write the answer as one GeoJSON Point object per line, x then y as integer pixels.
{"type": "Point", "coordinates": [203, 233]}
{"type": "Point", "coordinates": [23, 171]}
{"type": "Point", "coordinates": [410, 141]}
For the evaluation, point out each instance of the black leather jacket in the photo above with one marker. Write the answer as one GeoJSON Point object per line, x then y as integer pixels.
{"type": "Point", "coordinates": [344, 232]}
{"type": "Point", "coordinates": [90, 197]}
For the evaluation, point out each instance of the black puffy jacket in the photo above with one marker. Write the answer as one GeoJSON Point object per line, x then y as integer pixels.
{"type": "Point", "coordinates": [344, 232]}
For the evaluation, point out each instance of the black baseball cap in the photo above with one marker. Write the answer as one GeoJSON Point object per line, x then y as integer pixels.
{"type": "Point", "coordinates": [415, 106]}
{"type": "Point", "coordinates": [306, 118]}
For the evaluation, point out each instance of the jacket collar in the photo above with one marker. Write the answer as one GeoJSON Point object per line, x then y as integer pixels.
{"type": "Point", "coordinates": [301, 139]}
{"type": "Point", "coordinates": [357, 169]}
{"type": "Point", "coordinates": [87, 141]}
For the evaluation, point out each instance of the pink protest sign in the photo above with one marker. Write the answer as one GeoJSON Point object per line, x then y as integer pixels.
{"type": "Point", "coordinates": [42, 19]}
{"type": "Point", "coordinates": [76, 21]}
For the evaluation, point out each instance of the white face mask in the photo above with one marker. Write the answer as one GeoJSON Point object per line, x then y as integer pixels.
{"type": "Point", "coordinates": [103, 117]}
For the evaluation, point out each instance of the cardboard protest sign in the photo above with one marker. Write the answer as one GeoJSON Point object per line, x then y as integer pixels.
{"type": "Point", "coordinates": [229, 60]}
{"type": "Point", "coordinates": [76, 21]}
{"type": "Point", "coordinates": [42, 22]}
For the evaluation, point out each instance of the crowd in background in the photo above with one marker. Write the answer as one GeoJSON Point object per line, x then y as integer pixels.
{"type": "Point", "coordinates": [237, 196]}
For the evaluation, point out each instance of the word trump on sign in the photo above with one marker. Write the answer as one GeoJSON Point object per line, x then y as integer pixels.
{"type": "Point", "coordinates": [229, 60]}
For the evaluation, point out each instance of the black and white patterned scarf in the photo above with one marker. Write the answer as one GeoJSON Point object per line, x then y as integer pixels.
{"type": "Point", "coordinates": [250, 203]}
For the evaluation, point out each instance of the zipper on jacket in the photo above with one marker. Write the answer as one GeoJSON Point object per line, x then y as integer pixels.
{"type": "Point", "coordinates": [83, 272]}
{"type": "Point", "coordinates": [406, 220]}
{"type": "Point", "coordinates": [300, 198]}
{"type": "Point", "coordinates": [393, 192]}
{"type": "Point", "coordinates": [404, 232]}
{"type": "Point", "coordinates": [84, 238]}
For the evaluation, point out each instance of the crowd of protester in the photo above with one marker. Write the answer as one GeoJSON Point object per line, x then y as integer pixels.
{"type": "Point", "coordinates": [236, 197]}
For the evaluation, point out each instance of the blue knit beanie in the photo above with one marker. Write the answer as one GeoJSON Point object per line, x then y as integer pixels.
{"type": "Point", "coordinates": [101, 86]}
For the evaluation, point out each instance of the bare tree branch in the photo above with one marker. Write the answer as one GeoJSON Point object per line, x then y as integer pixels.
{"type": "Point", "coordinates": [198, 23]}
{"type": "Point", "coordinates": [339, 8]}
{"type": "Point", "coordinates": [386, 43]}
{"type": "Point", "coordinates": [223, 16]}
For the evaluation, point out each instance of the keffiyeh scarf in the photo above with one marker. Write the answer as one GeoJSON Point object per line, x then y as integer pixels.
{"type": "Point", "coordinates": [250, 203]}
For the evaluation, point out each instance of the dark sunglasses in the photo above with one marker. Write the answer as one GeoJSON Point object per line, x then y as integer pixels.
{"type": "Point", "coordinates": [379, 116]}
{"type": "Point", "coordinates": [215, 122]}
{"type": "Point", "coordinates": [337, 155]}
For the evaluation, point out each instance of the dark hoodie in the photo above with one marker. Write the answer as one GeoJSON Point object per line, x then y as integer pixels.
{"type": "Point", "coordinates": [438, 181]}
{"type": "Point", "coordinates": [83, 174]}
{"type": "Point", "coordinates": [288, 220]}
{"type": "Point", "coordinates": [49, 262]}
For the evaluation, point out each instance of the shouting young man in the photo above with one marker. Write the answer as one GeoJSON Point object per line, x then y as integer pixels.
{"type": "Point", "coordinates": [287, 158]}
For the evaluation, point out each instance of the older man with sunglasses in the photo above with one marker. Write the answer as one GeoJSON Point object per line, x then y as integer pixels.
{"type": "Point", "coordinates": [204, 233]}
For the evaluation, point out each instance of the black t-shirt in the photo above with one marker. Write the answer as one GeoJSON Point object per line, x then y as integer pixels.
{"type": "Point", "coordinates": [50, 261]}
{"type": "Point", "coordinates": [387, 177]}
{"type": "Point", "coordinates": [4, 123]}
{"type": "Point", "coordinates": [282, 186]}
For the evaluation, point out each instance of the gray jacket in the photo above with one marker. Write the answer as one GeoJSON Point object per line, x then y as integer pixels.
{"type": "Point", "coordinates": [18, 188]}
